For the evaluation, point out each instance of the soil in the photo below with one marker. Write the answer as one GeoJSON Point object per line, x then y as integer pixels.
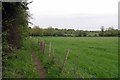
{"type": "Point", "coordinates": [39, 67]}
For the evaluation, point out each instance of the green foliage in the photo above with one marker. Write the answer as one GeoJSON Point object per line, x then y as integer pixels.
{"type": "Point", "coordinates": [102, 31]}
{"type": "Point", "coordinates": [14, 22]}
{"type": "Point", "coordinates": [109, 32]}
{"type": "Point", "coordinates": [119, 33]}
{"type": "Point", "coordinates": [20, 65]}
{"type": "Point", "coordinates": [14, 30]}
{"type": "Point", "coordinates": [36, 31]}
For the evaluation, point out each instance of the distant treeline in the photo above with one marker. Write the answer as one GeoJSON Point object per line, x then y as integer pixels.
{"type": "Point", "coordinates": [36, 31]}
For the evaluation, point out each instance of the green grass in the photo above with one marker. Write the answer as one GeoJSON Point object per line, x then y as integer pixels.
{"type": "Point", "coordinates": [90, 57]}
{"type": "Point", "coordinates": [97, 56]}
{"type": "Point", "coordinates": [20, 64]}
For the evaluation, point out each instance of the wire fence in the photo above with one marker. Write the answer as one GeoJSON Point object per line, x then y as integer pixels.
{"type": "Point", "coordinates": [66, 68]}
{"type": "Point", "coordinates": [75, 67]}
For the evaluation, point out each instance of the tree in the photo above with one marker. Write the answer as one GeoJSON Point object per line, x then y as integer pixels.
{"type": "Point", "coordinates": [36, 31]}
{"type": "Point", "coordinates": [102, 31]}
{"type": "Point", "coordinates": [14, 22]}
{"type": "Point", "coordinates": [111, 32]}
{"type": "Point", "coordinates": [119, 33]}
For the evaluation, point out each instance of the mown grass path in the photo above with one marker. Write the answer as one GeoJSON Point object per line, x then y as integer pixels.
{"type": "Point", "coordinates": [39, 66]}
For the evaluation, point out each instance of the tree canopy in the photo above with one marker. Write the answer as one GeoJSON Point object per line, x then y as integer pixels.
{"type": "Point", "coordinates": [14, 22]}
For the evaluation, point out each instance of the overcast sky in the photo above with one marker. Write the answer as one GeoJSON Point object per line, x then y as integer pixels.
{"type": "Point", "coordinates": [74, 14]}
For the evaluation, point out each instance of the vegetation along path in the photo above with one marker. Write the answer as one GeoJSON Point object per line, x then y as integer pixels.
{"type": "Point", "coordinates": [39, 66]}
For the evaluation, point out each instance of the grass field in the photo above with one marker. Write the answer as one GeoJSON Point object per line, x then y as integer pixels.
{"type": "Point", "coordinates": [20, 64]}
{"type": "Point", "coordinates": [89, 57]}
{"type": "Point", "coordinates": [97, 56]}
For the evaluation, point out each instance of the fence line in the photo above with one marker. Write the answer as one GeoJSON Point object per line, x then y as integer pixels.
{"type": "Point", "coordinates": [66, 57]}
{"type": "Point", "coordinates": [49, 50]}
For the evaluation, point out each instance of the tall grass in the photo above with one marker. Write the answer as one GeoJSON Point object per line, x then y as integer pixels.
{"type": "Point", "coordinates": [20, 65]}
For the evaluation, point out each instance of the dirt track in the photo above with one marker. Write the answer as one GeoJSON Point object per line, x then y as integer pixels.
{"type": "Point", "coordinates": [39, 66]}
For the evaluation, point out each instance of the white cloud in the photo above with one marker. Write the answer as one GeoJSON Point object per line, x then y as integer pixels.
{"type": "Point", "coordinates": [44, 10]}
{"type": "Point", "coordinates": [55, 7]}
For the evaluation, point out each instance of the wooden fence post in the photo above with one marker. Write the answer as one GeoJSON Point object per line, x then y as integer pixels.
{"type": "Point", "coordinates": [49, 49]}
{"type": "Point", "coordinates": [66, 57]}
{"type": "Point", "coordinates": [52, 54]}
{"type": "Point", "coordinates": [42, 46]}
